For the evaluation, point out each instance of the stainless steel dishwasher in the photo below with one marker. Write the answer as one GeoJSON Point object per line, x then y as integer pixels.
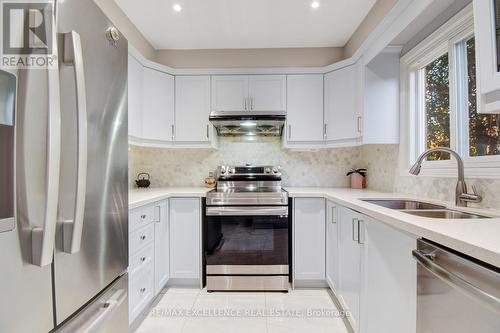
{"type": "Point", "coordinates": [455, 293]}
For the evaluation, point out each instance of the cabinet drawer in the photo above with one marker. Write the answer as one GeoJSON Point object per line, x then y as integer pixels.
{"type": "Point", "coordinates": [141, 291]}
{"type": "Point", "coordinates": [141, 259]}
{"type": "Point", "coordinates": [140, 217]}
{"type": "Point", "coordinates": [140, 238]}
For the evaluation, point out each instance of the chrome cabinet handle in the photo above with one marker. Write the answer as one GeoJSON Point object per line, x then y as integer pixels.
{"type": "Point", "coordinates": [157, 214]}
{"type": "Point", "coordinates": [43, 238]}
{"type": "Point", "coordinates": [208, 132]}
{"type": "Point", "coordinates": [334, 218]}
{"type": "Point", "coordinates": [72, 229]}
{"type": "Point", "coordinates": [324, 130]}
{"type": "Point", "coordinates": [355, 235]}
{"type": "Point", "coordinates": [143, 237]}
{"type": "Point", "coordinates": [289, 132]}
{"type": "Point", "coordinates": [245, 102]}
{"type": "Point", "coordinates": [251, 103]}
{"type": "Point", "coordinates": [359, 124]}
{"type": "Point", "coordinates": [455, 281]}
{"type": "Point", "coordinates": [143, 290]}
{"type": "Point", "coordinates": [172, 127]}
{"type": "Point", "coordinates": [361, 232]}
{"type": "Point", "coordinates": [143, 259]}
{"type": "Point", "coordinates": [143, 216]}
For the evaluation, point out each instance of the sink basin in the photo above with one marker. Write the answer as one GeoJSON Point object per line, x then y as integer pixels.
{"type": "Point", "coordinates": [444, 214]}
{"type": "Point", "coordinates": [423, 209]}
{"type": "Point", "coordinates": [403, 204]}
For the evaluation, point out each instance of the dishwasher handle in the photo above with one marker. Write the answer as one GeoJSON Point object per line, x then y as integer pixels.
{"type": "Point", "coordinates": [454, 281]}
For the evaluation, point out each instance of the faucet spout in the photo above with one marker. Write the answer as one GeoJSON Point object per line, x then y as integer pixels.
{"type": "Point", "coordinates": [462, 196]}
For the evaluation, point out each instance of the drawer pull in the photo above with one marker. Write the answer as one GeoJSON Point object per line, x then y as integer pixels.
{"type": "Point", "coordinates": [143, 259]}
{"type": "Point", "coordinates": [143, 290]}
{"type": "Point", "coordinates": [143, 216]}
{"type": "Point", "coordinates": [143, 237]}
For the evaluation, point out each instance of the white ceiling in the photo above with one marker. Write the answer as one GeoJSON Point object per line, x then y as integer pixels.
{"type": "Point", "coordinates": [236, 24]}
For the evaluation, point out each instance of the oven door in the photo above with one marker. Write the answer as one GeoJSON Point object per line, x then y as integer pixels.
{"type": "Point", "coordinates": [248, 240]}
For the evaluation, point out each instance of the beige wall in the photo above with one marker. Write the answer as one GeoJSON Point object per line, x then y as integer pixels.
{"type": "Point", "coordinates": [227, 58]}
{"type": "Point", "coordinates": [122, 22]}
{"type": "Point", "coordinates": [372, 19]}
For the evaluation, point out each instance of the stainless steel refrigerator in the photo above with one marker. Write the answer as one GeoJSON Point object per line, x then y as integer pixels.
{"type": "Point", "coordinates": [64, 193]}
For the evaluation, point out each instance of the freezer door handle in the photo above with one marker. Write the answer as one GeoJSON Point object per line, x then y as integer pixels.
{"type": "Point", "coordinates": [43, 238]}
{"type": "Point", "coordinates": [73, 56]}
{"type": "Point", "coordinates": [94, 324]}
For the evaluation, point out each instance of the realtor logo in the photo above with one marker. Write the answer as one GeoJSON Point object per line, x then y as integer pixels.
{"type": "Point", "coordinates": [27, 34]}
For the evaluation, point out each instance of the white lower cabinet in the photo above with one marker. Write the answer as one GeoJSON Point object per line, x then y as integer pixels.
{"type": "Point", "coordinates": [377, 274]}
{"type": "Point", "coordinates": [332, 246]}
{"type": "Point", "coordinates": [350, 264]}
{"type": "Point", "coordinates": [162, 248]}
{"type": "Point", "coordinates": [390, 286]}
{"type": "Point", "coordinates": [185, 236]}
{"type": "Point", "coordinates": [309, 240]}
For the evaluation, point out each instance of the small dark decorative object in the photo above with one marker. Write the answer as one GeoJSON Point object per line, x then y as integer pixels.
{"type": "Point", "coordinates": [144, 180]}
{"type": "Point", "coordinates": [362, 172]}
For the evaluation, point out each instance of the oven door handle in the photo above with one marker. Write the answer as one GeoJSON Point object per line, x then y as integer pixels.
{"type": "Point", "coordinates": [248, 211]}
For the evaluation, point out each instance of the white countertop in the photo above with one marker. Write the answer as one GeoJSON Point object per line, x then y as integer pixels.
{"type": "Point", "coordinates": [478, 238]}
{"type": "Point", "coordinates": [140, 197]}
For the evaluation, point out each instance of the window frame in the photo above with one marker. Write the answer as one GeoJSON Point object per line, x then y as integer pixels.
{"type": "Point", "coordinates": [449, 38]}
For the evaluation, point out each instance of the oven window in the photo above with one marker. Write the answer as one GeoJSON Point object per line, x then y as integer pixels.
{"type": "Point", "coordinates": [246, 240]}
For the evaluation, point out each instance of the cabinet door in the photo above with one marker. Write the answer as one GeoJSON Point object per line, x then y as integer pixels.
{"type": "Point", "coordinates": [486, 25]}
{"type": "Point", "coordinates": [185, 225]}
{"type": "Point", "coordinates": [350, 264]}
{"type": "Point", "coordinates": [192, 108]}
{"type": "Point", "coordinates": [230, 93]}
{"type": "Point", "coordinates": [304, 108]}
{"type": "Point", "coordinates": [332, 246]}
{"type": "Point", "coordinates": [135, 86]}
{"type": "Point", "coordinates": [390, 280]}
{"type": "Point", "coordinates": [162, 241]}
{"type": "Point", "coordinates": [158, 110]}
{"type": "Point", "coordinates": [342, 104]}
{"type": "Point", "coordinates": [267, 93]}
{"type": "Point", "coordinates": [309, 239]}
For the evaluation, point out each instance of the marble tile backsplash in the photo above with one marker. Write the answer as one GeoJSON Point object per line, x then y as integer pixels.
{"type": "Point", "coordinates": [189, 167]}
{"type": "Point", "coordinates": [322, 168]}
{"type": "Point", "coordinates": [382, 164]}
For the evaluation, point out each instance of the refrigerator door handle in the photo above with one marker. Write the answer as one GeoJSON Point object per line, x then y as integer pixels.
{"type": "Point", "coordinates": [105, 311]}
{"type": "Point", "coordinates": [73, 56]}
{"type": "Point", "coordinates": [43, 238]}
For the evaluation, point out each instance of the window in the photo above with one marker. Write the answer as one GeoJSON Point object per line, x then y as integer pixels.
{"type": "Point", "coordinates": [439, 96]}
{"type": "Point", "coordinates": [484, 138]}
{"type": "Point", "coordinates": [437, 106]}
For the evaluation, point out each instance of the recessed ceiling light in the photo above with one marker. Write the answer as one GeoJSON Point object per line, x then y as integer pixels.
{"type": "Point", "coordinates": [315, 4]}
{"type": "Point", "coordinates": [177, 7]}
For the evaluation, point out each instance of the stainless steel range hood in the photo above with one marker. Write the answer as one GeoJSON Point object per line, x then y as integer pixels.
{"type": "Point", "coordinates": [248, 123]}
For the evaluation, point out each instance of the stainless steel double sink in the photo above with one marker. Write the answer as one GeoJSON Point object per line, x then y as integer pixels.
{"type": "Point", "coordinates": [423, 209]}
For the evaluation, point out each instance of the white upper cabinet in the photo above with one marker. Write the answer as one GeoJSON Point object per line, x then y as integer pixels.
{"type": "Point", "coordinates": [342, 104]}
{"type": "Point", "coordinates": [304, 108]}
{"type": "Point", "coordinates": [249, 93]}
{"type": "Point", "coordinates": [267, 93]}
{"type": "Point", "coordinates": [192, 109]}
{"type": "Point", "coordinates": [135, 86]}
{"type": "Point", "coordinates": [230, 93]}
{"type": "Point", "coordinates": [381, 98]}
{"type": "Point", "coordinates": [158, 106]}
{"type": "Point", "coordinates": [486, 26]}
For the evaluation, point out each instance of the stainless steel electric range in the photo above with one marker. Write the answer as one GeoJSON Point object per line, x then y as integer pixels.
{"type": "Point", "coordinates": [247, 231]}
